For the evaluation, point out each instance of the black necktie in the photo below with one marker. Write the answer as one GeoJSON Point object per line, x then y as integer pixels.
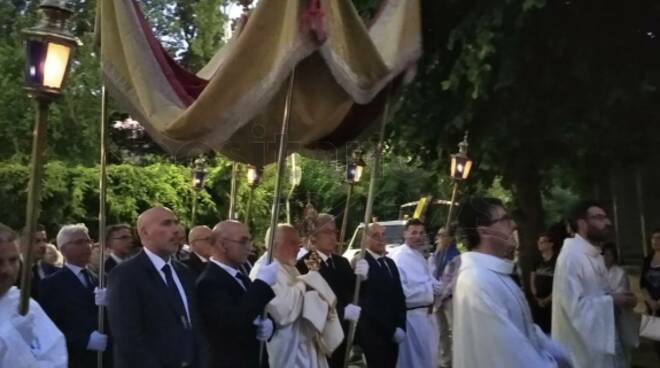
{"type": "Point", "coordinates": [174, 294]}
{"type": "Point", "coordinates": [244, 279]}
{"type": "Point", "coordinates": [381, 261]}
{"type": "Point", "coordinates": [88, 279]}
{"type": "Point", "coordinates": [330, 263]}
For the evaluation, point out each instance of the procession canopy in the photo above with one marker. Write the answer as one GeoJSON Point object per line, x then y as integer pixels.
{"type": "Point", "coordinates": [234, 104]}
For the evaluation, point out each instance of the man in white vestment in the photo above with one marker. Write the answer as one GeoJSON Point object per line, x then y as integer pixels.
{"type": "Point", "coordinates": [419, 348]}
{"type": "Point", "coordinates": [307, 326]}
{"type": "Point", "coordinates": [585, 306]}
{"type": "Point", "coordinates": [30, 341]}
{"type": "Point", "coordinates": [493, 325]}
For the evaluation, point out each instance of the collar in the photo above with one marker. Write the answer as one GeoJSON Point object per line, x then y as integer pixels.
{"type": "Point", "coordinates": [116, 257]}
{"type": "Point", "coordinates": [375, 255]}
{"type": "Point", "coordinates": [156, 260]}
{"type": "Point", "coordinates": [323, 256]}
{"type": "Point", "coordinates": [583, 245]}
{"type": "Point", "coordinates": [302, 252]}
{"type": "Point", "coordinates": [201, 258]}
{"type": "Point", "coordinates": [230, 270]}
{"type": "Point", "coordinates": [483, 260]}
{"type": "Point", "coordinates": [414, 250]}
{"type": "Point", "coordinates": [75, 269]}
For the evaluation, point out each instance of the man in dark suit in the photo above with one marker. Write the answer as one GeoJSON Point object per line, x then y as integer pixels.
{"type": "Point", "coordinates": [230, 304]}
{"type": "Point", "coordinates": [40, 269]}
{"type": "Point", "coordinates": [67, 296]}
{"type": "Point", "coordinates": [337, 272]}
{"type": "Point", "coordinates": [151, 308]}
{"type": "Point", "coordinates": [200, 246]}
{"type": "Point", "coordinates": [383, 319]}
{"type": "Point", "coordinates": [119, 241]}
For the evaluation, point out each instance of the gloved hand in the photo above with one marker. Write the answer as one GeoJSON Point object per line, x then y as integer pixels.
{"type": "Point", "coordinates": [97, 341]}
{"type": "Point", "coordinates": [399, 335]}
{"type": "Point", "coordinates": [24, 325]}
{"type": "Point", "coordinates": [352, 312]}
{"type": "Point", "coordinates": [264, 328]}
{"type": "Point", "coordinates": [99, 296]}
{"type": "Point", "coordinates": [268, 273]}
{"type": "Point", "coordinates": [362, 269]}
{"type": "Point", "coordinates": [437, 288]}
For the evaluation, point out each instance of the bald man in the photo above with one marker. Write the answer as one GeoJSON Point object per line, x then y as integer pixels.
{"type": "Point", "coordinates": [383, 319]}
{"type": "Point", "coordinates": [230, 303]}
{"type": "Point", "coordinates": [200, 248]}
{"type": "Point", "coordinates": [152, 311]}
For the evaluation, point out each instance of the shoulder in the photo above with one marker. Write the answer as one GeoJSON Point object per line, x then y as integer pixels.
{"type": "Point", "coordinates": [340, 260]}
{"type": "Point", "coordinates": [55, 277]}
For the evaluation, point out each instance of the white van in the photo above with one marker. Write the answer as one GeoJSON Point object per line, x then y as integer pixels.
{"type": "Point", "coordinates": [393, 237]}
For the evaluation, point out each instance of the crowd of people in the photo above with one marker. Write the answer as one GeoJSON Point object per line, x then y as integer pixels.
{"type": "Point", "coordinates": [207, 300]}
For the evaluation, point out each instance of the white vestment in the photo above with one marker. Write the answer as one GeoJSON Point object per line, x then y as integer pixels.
{"type": "Point", "coordinates": [46, 347]}
{"type": "Point", "coordinates": [420, 347]}
{"type": "Point", "coordinates": [306, 323]}
{"type": "Point", "coordinates": [583, 313]}
{"type": "Point", "coordinates": [493, 325]}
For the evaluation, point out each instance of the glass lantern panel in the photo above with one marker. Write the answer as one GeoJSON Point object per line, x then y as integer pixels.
{"type": "Point", "coordinates": [36, 55]}
{"type": "Point", "coordinates": [57, 59]}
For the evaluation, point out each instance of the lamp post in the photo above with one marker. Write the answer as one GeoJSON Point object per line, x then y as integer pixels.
{"type": "Point", "coordinates": [49, 48]}
{"type": "Point", "coordinates": [253, 175]}
{"type": "Point", "coordinates": [354, 172]}
{"type": "Point", "coordinates": [460, 170]}
{"type": "Point", "coordinates": [198, 175]}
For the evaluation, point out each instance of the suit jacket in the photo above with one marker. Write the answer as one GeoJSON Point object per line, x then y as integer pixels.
{"type": "Point", "coordinates": [227, 312]}
{"type": "Point", "coordinates": [341, 279]}
{"type": "Point", "coordinates": [71, 306]}
{"type": "Point", "coordinates": [110, 263]}
{"type": "Point", "coordinates": [195, 264]}
{"type": "Point", "coordinates": [48, 269]}
{"type": "Point", "coordinates": [383, 303]}
{"type": "Point", "coordinates": [147, 329]}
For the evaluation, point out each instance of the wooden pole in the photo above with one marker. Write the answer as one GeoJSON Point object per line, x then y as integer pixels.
{"type": "Point", "coordinates": [103, 189]}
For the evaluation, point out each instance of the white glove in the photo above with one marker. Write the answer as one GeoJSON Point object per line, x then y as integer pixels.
{"type": "Point", "coordinates": [97, 341]}
{"type": "Point", "coordinates": [362, 269]}
{"type": "Point", "coordinates": [24, 325]}
{"type": "Point", "coordinates": [352, 312]}
{"type": "Point", "coordinates": [399, 335]}
{"type": "Point", "coordinates": [264, 328]}
{"type": "Point", "coordinates": [437, 288]}
{"type": "Point", "coordinates": [268, 273]}
{"type": "Point", "coordinates": [99, 296]}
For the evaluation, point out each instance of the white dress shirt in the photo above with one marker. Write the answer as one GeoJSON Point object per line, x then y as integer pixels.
{"type": "Point", "coordinates": [76, 271]}
{"type": "Point", "coordinates": [159, 263]}
{"type": "Point", "coordinates": [230, 270]}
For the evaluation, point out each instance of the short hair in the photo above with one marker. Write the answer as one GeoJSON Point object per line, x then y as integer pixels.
{"type": "Point", "coordinates": [611, 247]}
{"type": "Point", "coordinates": [475, 212]}
{"type": "Point", "coordinates": [113, 229]}
{"type": "Point", "coordinates": [322, 219]}
{"type": "Point", "coordinates": [7, 232]}
{"type": "Point", "coordinates": [413, 222]}
{"type": "Point", "coordinates": [67, 231]}
{"type": "Point", "coordinates": [655, 231]}
{"type": "Point", "coordinates": [38, 228]}
{"type": "Point", "coordinates": [579, 211]}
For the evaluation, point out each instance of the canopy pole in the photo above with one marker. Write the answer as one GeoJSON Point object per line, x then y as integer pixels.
{"type": "Point", "coordinates": [378, 152]}
{"type": "Point", "coordinates": [279, 175]}
{"type": "Point", "coordinates": [232, 191]}
{"type": "Point", "coordinates": [103, 189]}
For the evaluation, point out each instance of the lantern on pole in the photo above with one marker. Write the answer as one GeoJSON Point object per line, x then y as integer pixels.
{"type": "Point", "coordinates": [354, 172]}
{"type": "Point", "coordinates": [49, 48]}
{"type": "Point", "coordinates": [461, 165]}
{"type": "Point", "coordinates": [253, 175]}
{"type": "Point", "coordinates": [198, 176]}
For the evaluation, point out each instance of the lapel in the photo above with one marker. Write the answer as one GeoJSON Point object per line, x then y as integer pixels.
{"type": "Point", "coordinates": [226, 279]}
{"type": "Point", "coordinates": [154, 278]}
{"type": "Point", "coordinates": [76, 285]}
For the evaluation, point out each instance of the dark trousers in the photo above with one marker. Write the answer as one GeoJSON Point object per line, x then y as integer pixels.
{"type": "Point", "coordinates": [381, 355]}
{"type": "Point", "coordinates": [336, 360]}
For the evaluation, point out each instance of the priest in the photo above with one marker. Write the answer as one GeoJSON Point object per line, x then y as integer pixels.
{"type": "Point", "coordinates": [585, 306]}
{"type": "Point", "coordinates": [307, 328]}
{"type": "Point", "coordinates": [493, 324]}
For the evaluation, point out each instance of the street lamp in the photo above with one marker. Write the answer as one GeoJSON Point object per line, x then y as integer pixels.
{"type": "Point", "coordinates": [253, 175]}
{"type": "Point", "coordinates": [460, 170]}
{"type": "Point", "coordinates": [49, 47]}
{"type": "Point", "coordinates": [354, 172]}
{"type": "Point", "coordinates": [198, 175]}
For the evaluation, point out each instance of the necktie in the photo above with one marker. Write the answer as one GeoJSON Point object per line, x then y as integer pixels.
{"type": "Point", "coordinates": [173, 292]}
{"type": "Point", "coordinates": [244, 279]}
{"type": "Point", "coordinates": [89, 283]}
{"type": "Point", "coordinates": [330, 263]}
{"type": "Point", "coordinates": [383, 263]}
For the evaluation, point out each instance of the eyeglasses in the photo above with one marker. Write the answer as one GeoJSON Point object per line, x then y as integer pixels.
{"type": "Point", "coordinates": [244, 242]}
{"type": "Point", "coordinates": [505, 218]}
{"type": "Point", "coordinates": [40, 240]}
{"type": "Point", "coordinates": [123, 237]}
{"type": "Point", "coordinates": [598, 217]}
{"type": "Point", "coordinates": [80, 242]}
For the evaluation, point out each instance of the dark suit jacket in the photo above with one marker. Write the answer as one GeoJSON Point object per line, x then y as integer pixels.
{"type": "Point", "coordinates": [195, 264]}
{"type": "Point", "coordinates": [341, 280]}
{"type": "Point", "coordinates": [147, 329]}
{"type": "Point", "coordinates": [48, 269]}
{"type": "Point", "coordinates": [110, 263]}
{"type": "Point", "coordinates": [71, 306]}
{"type": "Point", "coordinates": [227, 312]}
{"type": "Point", "coordinates": [383, 304]}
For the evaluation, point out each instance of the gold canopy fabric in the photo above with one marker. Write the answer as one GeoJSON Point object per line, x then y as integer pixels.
{"type": "Point", "coordinates": [234, 104]}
